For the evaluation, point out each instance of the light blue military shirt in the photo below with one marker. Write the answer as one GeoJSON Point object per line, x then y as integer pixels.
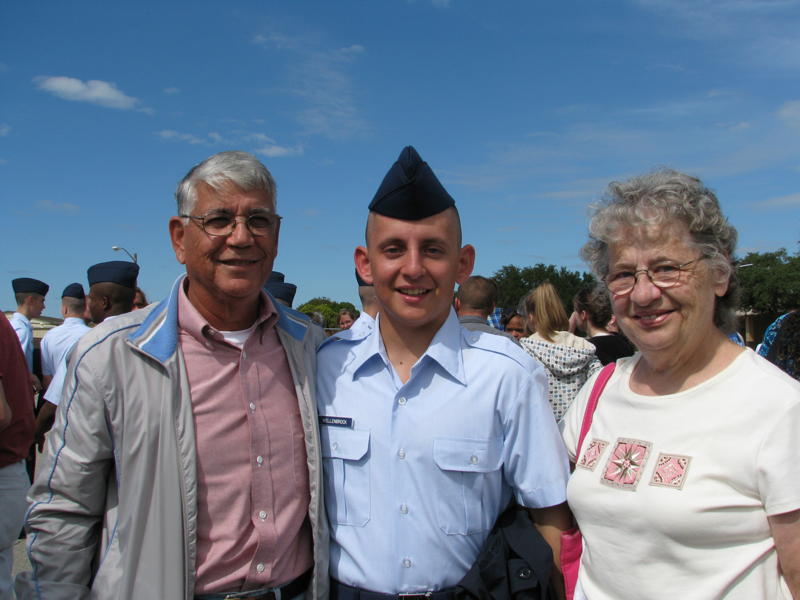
{"type": "Point", "coordinates": [57, 342]}
{"type": "Point", "coordinates": [417, 473]}
{"type": "Point", "coordinates": [22, 326]}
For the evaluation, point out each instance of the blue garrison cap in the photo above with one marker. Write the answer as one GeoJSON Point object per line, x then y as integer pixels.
{"type": "Point", "coordinates": [360, 281]}
{"type": "Point", "coordinates": [410, 191]}
{"type": "Point", "coordinates": [279, 288]}
{"type": "Point", "coordinates": [27, 285]}
{"type": "Point", "coordinates": [114, 271]}
{"type": "Point", "coordinates": [73, 290]}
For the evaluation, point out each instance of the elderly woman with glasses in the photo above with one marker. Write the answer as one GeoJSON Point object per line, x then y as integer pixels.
{"type": "Point", "coordinates": [687, 484]}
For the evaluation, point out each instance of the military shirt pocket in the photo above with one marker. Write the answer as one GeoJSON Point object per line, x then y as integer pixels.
{"type": "Point", "coordinates": [345, 454]}
{"type": "Point", "coordinates": [465, 498]}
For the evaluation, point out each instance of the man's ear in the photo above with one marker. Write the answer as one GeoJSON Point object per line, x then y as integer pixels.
{"type": "Point", "coordinates": [363, 266]}
{"type": "Point", "coordinates": [466, 262]}
{"type": "Point", "coordinates": [177, 229]}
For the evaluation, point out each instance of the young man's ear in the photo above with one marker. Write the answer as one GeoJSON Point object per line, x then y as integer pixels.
{"type": "Point", "coordinates": [466, 262]}
{"type": "Point", "coordinates": [361, 258]}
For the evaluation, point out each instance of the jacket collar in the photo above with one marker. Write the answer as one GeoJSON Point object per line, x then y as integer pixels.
{"type": "Point", "coordinates": [158, 333]}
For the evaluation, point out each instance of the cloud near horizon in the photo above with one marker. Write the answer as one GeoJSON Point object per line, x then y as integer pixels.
{"type": "Point", "coordinates": [94, 91]}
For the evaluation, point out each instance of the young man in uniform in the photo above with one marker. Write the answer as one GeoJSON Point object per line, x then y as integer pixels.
{"type": "Point", "coordinates": [428, 430]}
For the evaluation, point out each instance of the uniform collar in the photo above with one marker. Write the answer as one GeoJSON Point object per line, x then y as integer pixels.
{"type": "Point", "coordinates": [444, 350]}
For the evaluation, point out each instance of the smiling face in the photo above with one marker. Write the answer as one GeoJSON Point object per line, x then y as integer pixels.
{"type": "Point", "coordinates": [664, 322]}
{"type": "Point", "coordinates": [414, 266]}
{"type": "Point", "coordinates": [225, 273]}
{"type": "Point", "coordinates": [345, 321]}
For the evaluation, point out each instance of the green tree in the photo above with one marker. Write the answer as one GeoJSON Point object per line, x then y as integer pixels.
{"type": "Point", "coordinates": [769, 281]}
{"type": "Point", "coordinates": [513, 283]}
{"type": "Point", "coordinates": [328, 308]}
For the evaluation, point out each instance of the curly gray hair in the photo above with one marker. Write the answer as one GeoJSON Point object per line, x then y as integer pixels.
{"type": "Point", "coordinates": [658, 199]}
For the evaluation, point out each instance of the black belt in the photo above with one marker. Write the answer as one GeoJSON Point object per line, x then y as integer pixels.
{"type": "Point", "coordinates": [282, 592]}
{"type": "Point", "coordinates": [340, 591]}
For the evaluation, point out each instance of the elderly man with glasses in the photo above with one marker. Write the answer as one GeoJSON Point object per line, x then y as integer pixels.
{"type": "Point", "coordinates": [184, 461]}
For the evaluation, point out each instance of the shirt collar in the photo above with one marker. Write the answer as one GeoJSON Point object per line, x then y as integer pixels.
{"type": "Point", "coordinates": [444, 349]}
{"type": "Point", "coordinates": [192, 322]}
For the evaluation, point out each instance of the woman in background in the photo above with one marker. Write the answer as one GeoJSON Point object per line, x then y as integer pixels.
{"type": "Point", "coordinates": [568, 359]}
{"type": "Point", "coordinates": [591, 314]}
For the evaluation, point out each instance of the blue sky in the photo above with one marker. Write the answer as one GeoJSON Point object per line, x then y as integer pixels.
{"type": "Point", "coordinates": [526, 110]}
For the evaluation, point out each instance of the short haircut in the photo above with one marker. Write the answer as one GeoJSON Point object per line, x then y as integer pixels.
{"type": "Point", "coordinates": [660, 199]}
{"type": "Point", "coordinates": [547, 310]}
{"type": "Point", "coordinates": [597, 304]}
{"type": "Point", "coordinates": [452, 208]}
{"type": "Point", "coordinates": [73, 305]}
{"type": "Point", "coordinates": [221, 170]}
{"type": "Point", "coordinates": [120, 296]}
{"type": "Point", "coordinates": [347, 311]}
{"type": "Point", "coordinates": [20, 297]}
{"type": "Point", "coordinates": [478, 293]}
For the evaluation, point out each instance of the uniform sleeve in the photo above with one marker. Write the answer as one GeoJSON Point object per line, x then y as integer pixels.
{"type": "Point", "coordinates": [68, 496]}
{"type": "Point", "coordinates": [778, 465]}
{"type": "Point", "coordinates": [48, 366]}
{"type": "Point", "coordinates": [534, 458]}
{"type": "Point", "coordinates": [56, 387]}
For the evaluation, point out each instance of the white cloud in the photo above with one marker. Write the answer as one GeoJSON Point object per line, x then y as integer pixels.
{"type": "Point", "coordinates": [781, 201]}
{"type": "Point", "coordinates": [275, 151]}
{"type": "Point", "coordinates": [789, 112]}
{"type": "Point", "coordinates": [101, 93]}
{"type": "Point", "coordinates": [171, 90]}
{"type": "Point", "coordinates": [171, 134]}
{"type": "Point", "coordinates": [57, 207]}
{"type": "Point", "coordinates": [4, 129]}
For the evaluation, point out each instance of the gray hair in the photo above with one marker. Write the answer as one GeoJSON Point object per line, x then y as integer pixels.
{"type": "Point", "coordinates": [659, 199]}
{"type": "Point", "coordinates": [241, 169]}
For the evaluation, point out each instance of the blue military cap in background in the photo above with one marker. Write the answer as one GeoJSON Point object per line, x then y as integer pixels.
{"type": "Point", "coordinates": [73, 290]}
{"type": "Point", "coordinates": [360, 281]}
{"type": "Point", "coordinates": [27, 285]}
{"type": "Point", "coordinates": [114, 271]}
{"type": "Point", "coordinates": [410, 190]}
{"type": "Point", "coordinates": [279, 288]}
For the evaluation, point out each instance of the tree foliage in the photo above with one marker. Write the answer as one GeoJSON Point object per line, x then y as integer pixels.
{"type": "Point", "coordinates": [769, 281]}
{"type": "Point", "coordinates": [328, 308]}
{"type": "Point", "coordinates": [513, 283]}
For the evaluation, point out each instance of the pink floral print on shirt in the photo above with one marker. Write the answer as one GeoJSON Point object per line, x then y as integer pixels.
{"type": "Point", "coordinates": [624, 466]}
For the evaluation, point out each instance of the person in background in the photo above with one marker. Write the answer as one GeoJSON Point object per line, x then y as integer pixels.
{"type": "Point", "coordinates": [784, 349]}
{"type": "Point", "coordinates": [689, 474]}
{"type": "Point", "coordinates": [16, 438]}
{"type": "Point", "coordinates": [184, 460]}
{"type": "Point", "coordinates": [514, 325]}
{"type": "Point", "coordinates": [139, 300]}
{"type": "Point", "coordinates": [280, 290]}
{"type": "Point", "coordinates": [475, 300]}
{"type": "Point", "coordinates": [29, 294]}
{"type": "Point", "coordinates": [428, 429]}
{"type": "Point", "coordinates": [569, 360]}
{"type": "Point", "coordinates": [346, 318]}
{"type": "Point", "coordinates": [591, 315]}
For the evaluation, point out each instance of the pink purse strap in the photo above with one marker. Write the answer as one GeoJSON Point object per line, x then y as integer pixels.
{"type": "Point", "coordinates": [594, 396]}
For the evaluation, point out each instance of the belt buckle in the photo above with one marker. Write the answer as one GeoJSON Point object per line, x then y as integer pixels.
{"type": "Point", "coordinates": [425, 596]}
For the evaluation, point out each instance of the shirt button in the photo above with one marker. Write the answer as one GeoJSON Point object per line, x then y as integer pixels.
{"type": "Point", "coordinates": [401, 453]}
{"type": "Point", "coordinates": [407, 563]}
{"type": "Point", "coordinates": [260, 567]}
{"type": "Point", "coordinates": [402, 400]}
{"type": "Point", "coordinates": [260, 459]}
{"type": "Point", "coordinates": [262, 514]}
{"type": "Point", "coordinates": [252, 406]}
{"type": "Point", "coordinates": [403, 509]}
{"type": "Point", "coordinates": [473, 460]}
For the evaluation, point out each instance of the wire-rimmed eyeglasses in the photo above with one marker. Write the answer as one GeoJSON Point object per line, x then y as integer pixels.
{"type": "Point", "coordinates": [222, 224]}
{"type": "Point", "coordinates": [664, 275]}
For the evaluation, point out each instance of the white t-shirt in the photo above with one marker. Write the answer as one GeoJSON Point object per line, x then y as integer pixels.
{"type": "Point", "coordinates": [672, 492]}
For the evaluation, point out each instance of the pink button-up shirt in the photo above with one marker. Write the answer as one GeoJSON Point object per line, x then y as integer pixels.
{"type": "Point", "coordinates": [252, 478]}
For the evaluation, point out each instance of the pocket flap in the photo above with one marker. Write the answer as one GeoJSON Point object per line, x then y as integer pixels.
{"type": "Point", "coordinates": [472, 456]}
{"type": "Point", "coordinates": [348, 444]}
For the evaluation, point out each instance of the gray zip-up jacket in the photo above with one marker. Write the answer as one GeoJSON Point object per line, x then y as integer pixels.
{"type": "Point", "coordinates": [114, 507]}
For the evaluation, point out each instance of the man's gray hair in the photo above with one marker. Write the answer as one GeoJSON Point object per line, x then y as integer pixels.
{"type": "Point", "coordinates": [241, 169]}
{"type": "Point", "coordinates": [660, 199]}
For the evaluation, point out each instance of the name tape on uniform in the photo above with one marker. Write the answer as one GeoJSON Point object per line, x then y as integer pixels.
{"type": "Point", "coordinates": [336, 421]}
